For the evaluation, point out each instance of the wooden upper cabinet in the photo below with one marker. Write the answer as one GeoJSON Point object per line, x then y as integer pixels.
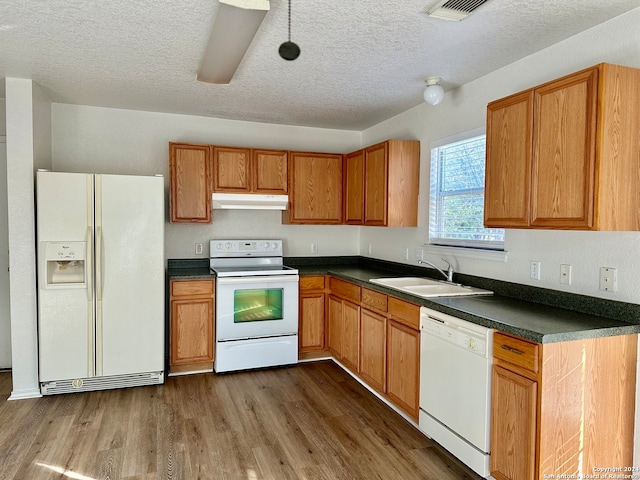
{"type": "Point", "coordinates": [376, 179]}
{"type": "Point", "coordinates": [315, 188]}
{"type": "Point", "coordinates": [564, 155]}
{"type": "Point", "coordinates": [270, 171]}
{"type": "Point", "coordinates": [563, 163]}
{"type": "Point", "coordinates": [381, 186]}
{"type": "Point", "coordinates": [508, 173]}
{"type": "Point", "coordinates": [245, 170]}
{"type": "Point", "coordinates": [354, 188]}
{"type": "Point", "coordinates": [231, 169]}
{"type": "Point", "coordinates": [190, 180]}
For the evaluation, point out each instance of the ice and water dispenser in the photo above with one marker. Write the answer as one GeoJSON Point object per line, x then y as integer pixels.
{"type": "Point", "coordinates": [65, 264]}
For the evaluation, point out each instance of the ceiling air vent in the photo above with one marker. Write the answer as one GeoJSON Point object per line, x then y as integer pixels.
{"type": "Point", "coordinates": [455, 10]}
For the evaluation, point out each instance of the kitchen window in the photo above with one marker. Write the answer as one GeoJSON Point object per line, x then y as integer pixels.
{"type": "Point", "coordinates": [456, 211]}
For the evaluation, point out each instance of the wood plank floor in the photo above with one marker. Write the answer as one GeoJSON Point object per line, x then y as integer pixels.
{"type": "Point", "coordinates": [311, 421]}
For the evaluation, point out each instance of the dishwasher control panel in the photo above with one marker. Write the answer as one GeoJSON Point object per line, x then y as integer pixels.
{"type": "Point", "coordinates": [461, 333]}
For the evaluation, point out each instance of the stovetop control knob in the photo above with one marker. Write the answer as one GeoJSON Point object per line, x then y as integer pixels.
{"type": "Point", "coordinates": [227, 245]}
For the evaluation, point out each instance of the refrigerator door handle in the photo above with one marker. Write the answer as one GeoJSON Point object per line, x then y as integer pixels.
{"type": "Point", "coordinates": [99, 332]}
{"type": "Point", "coordinates": [88, 265]}
{"type": "Point", "coordinates": [99, 247]}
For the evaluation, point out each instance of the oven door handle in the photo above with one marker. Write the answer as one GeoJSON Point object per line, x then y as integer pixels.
{"type": "Point", "coordinates": [258, 279]}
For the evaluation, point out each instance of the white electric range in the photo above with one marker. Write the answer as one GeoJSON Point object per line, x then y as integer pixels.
{"type": "Point", "coordinates": [256, 305]}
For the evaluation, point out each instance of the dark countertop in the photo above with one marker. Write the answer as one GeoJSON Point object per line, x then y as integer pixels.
{"type": "Point", "coordinates": [510, 309]}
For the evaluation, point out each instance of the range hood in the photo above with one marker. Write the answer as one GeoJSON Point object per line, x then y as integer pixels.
{"type": "Point", "coordinates": [248, 201]}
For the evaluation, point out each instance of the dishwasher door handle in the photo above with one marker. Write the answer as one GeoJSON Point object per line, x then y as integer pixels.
{"type": "Point", "coordinates": [511, 349]}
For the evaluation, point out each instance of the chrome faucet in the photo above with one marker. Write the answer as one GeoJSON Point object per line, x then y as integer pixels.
{"type": "Point", "coordinates": [448, 275]}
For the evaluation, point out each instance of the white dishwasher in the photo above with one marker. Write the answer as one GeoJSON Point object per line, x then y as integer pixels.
{"type": "Point", "coordinates": [455, 386]}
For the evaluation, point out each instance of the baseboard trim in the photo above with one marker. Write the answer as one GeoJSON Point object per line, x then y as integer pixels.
{"type": "Point", "coordinates": [24, 394]}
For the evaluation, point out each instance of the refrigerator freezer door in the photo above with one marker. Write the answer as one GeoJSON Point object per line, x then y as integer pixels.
{"type": "Point", "coordinates": [129, 274]}
{"type": "Point", "coordinates": [65, 315]}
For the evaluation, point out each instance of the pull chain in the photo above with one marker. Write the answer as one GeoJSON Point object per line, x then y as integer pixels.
{"type": "Point", "coordinates": [289, 50]}
{"type": "Point", "coordinates": [289, 20]}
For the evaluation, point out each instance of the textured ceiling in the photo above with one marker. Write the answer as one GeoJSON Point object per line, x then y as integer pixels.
{"type": "Point", "coordinates": [362, 61]}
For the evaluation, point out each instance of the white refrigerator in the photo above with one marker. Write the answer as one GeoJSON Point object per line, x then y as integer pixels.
{"type": "Point", "coordinates": [100, 281]}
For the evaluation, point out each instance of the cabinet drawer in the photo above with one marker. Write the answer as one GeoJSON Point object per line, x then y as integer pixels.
{"type": "Point", "coordinates": [181, 288]}
{"type": "Point", "coordinates": [374, 300]}
{"type": "Point", "coordinates": [311, 282]}
{"type": "Point", "coordinates": [405, 312]}
{"type": "Point", "coordinates": [516, 351]}
{"type": "Point", "coordinates": [344, 289]}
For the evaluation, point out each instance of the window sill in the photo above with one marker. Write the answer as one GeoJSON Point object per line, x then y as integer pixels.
{"type": "Point", "coordinates": [476, 253]}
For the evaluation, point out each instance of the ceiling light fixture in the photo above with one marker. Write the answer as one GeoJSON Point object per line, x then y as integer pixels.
{"type": "Point", "coordinates": [234, 27]}
{"type": "Point", "coordinates": [289, 50]}
{"type": "Point", "coordinates": [434, 93]}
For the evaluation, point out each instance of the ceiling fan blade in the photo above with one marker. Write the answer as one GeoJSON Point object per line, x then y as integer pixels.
{"type": "Point", "coordinates": [234, 27]}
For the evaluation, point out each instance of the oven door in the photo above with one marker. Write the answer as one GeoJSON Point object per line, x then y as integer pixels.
{"type": "Point", "coordinates": [256, 306]}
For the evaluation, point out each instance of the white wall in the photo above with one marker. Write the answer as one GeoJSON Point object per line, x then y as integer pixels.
{"type": "Point", "coordinates": [103, 140]}
{"type": "Point", "coordinates": [5, 317]}
{"type": "Point", "coordinates": [616, 41]}
{"type": "Point", "coordinates": [26, 113]}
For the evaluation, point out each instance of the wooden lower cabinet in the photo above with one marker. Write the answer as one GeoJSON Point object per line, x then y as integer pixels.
{"type": "Point", "coordinates": [403, 367]}
{"type": "Point", "coordinates": [311, 319]}
{"type": "Point", "coordinates": [344, 331]}
{"type": "Point", "coordinates": [557, 410]}
{"type": "Point", "coordinates": [373, 349]}
{"type": "Point", "coordinates": [514, 402]}
{"type": "Point", "coordinates": [192, 310]}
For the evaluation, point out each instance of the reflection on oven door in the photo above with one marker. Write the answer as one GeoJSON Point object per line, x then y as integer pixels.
{"type": "Point", "coordinates": [257, 305]}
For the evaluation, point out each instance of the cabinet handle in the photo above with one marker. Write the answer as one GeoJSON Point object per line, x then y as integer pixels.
{"type": "Point", "coordinates": [512, 350]}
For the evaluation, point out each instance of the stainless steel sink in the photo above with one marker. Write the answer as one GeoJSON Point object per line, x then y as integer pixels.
{"type": "Point", "coordinates": [425, 287]}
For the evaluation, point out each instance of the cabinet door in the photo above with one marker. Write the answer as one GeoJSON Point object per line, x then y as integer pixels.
{"type": "Point", "coordinates": [513, 426]}
{"type": "Point", "coordinates": [335, 326]}
{"type": "Point", "coordinates": [232, 169]}
{"type": "Point", "coordinates": [269, 171]}
{"type": "Point", "coordinates": [375, 185]}
{"type": "Point", "coordinates": [351, 335]}
{"type": "Point", "coordinates": [508, 166]}
{"type": "Point", "coordinates": [190, 180]}
{"type": "Point", "coordinates": [403, 183]}
{"type": "Point", "coordinates": [311, 328]}
{"type": "Point", "coordinates": [354, 188]}
{"type": "Point", "coordinates": [373, 349]}
{"type": "Point", "coordinates": [315, 182]}
{"type": "Point", "coordinates": [564, 152]}
{"type": "Point", "coordinates": [403, 367]}
{"type": "Point", "coordinates": [191, 331]}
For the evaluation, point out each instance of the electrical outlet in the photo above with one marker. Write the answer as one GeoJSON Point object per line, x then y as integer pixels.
{"type": "Point", "coordinates": [565, 274]}
{"type": "Point", "coordinates": [419, 254]}
{"type": "Point", "coordinates": [198, 249]}
{"type": "Point", "coordinates": [535, 270]}
{"type": "Point", "coordinates": [314, 247]}
{"type": "Point", "coordinates": [608, 279]}
{"type": "Point", "coordinates": [405, 253]}
{"type": "Point", "coordinates": [370, 249]}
